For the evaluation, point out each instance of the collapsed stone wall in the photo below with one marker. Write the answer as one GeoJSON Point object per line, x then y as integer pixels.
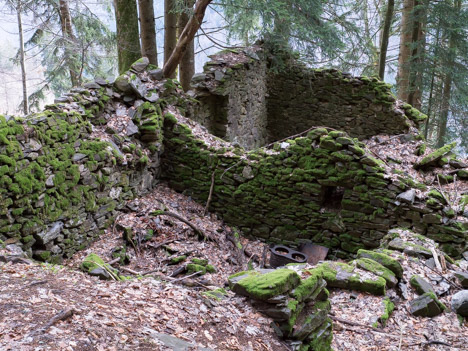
{"type": "Point", "coordinates": [324, 186]}
{"type": "Point", "coordinates": [260, 105]}
{"type": "Point", "coordinates": [64, 173]}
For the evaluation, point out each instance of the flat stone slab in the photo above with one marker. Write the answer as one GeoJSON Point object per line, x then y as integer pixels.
{"type": "Point", "coordinates": [425, 306]}
{"type": "Point", "coordinates": [420, 285]}
{"type": "Point", "coordinates": [384, 260]}
{"type": "Point", "coordinates": [264, 284]}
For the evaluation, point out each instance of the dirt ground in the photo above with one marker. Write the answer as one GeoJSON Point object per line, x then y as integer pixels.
{"type": "Point", "coordinates": [140, 313]}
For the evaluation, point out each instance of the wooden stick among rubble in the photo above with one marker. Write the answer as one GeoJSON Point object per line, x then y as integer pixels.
{"type": "Point", "coordinates": [61, 316]}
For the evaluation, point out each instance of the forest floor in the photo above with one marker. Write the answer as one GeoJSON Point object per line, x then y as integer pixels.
{"type": "Point", "coordinates": [58, 307]}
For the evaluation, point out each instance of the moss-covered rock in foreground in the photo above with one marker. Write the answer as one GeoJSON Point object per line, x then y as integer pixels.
{"type": "Point", "coordinates": [344, 276]}
{"type": "Point", "coordinates": [263, 285]}
{"type": "Point", "coordinates": [384, 260]}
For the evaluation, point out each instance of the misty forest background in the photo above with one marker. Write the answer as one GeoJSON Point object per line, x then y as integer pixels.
{"type": "Point", "coordinates": [419, 46]}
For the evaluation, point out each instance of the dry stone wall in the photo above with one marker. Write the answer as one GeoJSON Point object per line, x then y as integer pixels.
{"type": "Point", "coordinates": [63, 173]}
{"type": "Point", "coordinates": [324, 186]}
{"type": "Point", "coordinates": [257, 105]}
{"type": "Point", "coordinates": [232, 99]}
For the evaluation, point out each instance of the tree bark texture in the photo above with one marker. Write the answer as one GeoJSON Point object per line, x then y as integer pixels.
{"type": "Point", "coordinates": [418, 40]}
{"type": "Point", "coordinates": [128, 38]}
{"type": "Point", "coordinates": [170, 31]}
{"type": "Point", "coordinates": [187, 63]}
{"type": "Point", "coordinates": [385, 36]}
{"type": "Point", "coordinates": [22, 58]}
{"type": "Point", "coordinates": [70, 41]}
{"type": "Point", "coordinates": [186, 37]}
{"type": "Point", "coordinates": [148, 31]}
{"type": "Point", "coordinates": [445, 107]}
{"type": "Point", "coordinates": [405, 50]}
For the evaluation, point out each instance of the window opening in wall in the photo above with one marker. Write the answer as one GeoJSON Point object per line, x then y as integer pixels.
{"type": "Point", "coordinates": [218, 106]}
{"type": "Point", "coordinates": [331, 197]}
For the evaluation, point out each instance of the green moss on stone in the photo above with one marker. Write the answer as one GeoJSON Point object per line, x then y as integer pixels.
{"type": "Point", "coordinates": [384, 260]}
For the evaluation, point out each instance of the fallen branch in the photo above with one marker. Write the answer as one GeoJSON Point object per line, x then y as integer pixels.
{"type": "Point", "coordinates": [456, 286]}
{"type": "Point", "coordinates": [197, 230]}
{"type": "Point", "coordinates": [185, 277]}
{"type": "Point", "coordinates": [128, 270]}
{"type": "Point", "coordinates": [436, 259]}
{"type": "Point", "coordinates": [160, 244]}
{"type": "Point", "coordinates": [115, 260]}
{"type": "Point", "coordinates": [211, 192]}
{"type": "Point", "coordinates": [387, 140]}
{"type": "Point", "coordinates": [61, 316]}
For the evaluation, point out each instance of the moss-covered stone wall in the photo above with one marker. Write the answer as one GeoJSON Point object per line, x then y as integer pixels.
{"type": "Point", "coordinates": [242, 99]}
{"type": "Point", "coordinates": [324, 186]}
{"type": "Point", "coordinates": [62, 176]}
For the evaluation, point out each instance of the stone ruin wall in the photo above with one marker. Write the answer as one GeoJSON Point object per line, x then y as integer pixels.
{"type": "Point", "coordinates": [62, 177]}
{"type": "Point", "coordinates": [324, 186]}
{"type": "Point", "coordinates": [233, 102]}
{"type": "Point", "coordinates": [256, 105]}
{"type": "Point", "coordinates": [64, 173]}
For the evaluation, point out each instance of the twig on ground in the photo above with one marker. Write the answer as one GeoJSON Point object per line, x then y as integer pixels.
{"type": "Point", "coordinates": [160, 244]}
{"type": "Point", "coordinates": [115, 260]}
{"type": "Point", "coordinates": [456, 286]}
{"type": "Point", "coordinates": [62, 315]}
{"type": "Point", "coordinates": [40, 282]}
{"type": "Point", "coordinates": [197, 230]}
{"type": "Point", "coordinates": [130, 271]}
{"type": "Point", "coordinates": [211, 192]}
{"type": "Point", "coordinates": [264, 256]}
{"type": "Point", "coordinates": [185, 277]}
{"type": "Point", "coordinates": [385, 141]}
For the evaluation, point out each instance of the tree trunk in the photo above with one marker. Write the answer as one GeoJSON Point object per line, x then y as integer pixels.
{"type": "Point", "coordinates": [385, 37]}
{"type": "Point", "coordinates": [442, 132]}
{"type": "Point", "coordinates": [148, 31]}
{"type": "Point", "coordinates": [170, 31]}
{"type": "Point", "coordinates": [187, 63]}
{"type": "Point", "coordinates": [405, 50]}
{"type": "Point", "coordinates": [418, 39]}
{"type": "Point", "coordinates": [70, 40]}
{"type": "Point", "coordinates": [22, 59]}
{"type": "Point", "coordinates": [128, 39]}
{"type": "Point", "coordinates": [186, 37]}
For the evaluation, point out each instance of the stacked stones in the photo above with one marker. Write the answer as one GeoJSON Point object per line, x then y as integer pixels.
{"type": "Point", "coordinates": [299, 307]}
{"type": "Point", "coordinates": [232, 95]}
{"type": "Point", "coordinates": [324, 186]}
{"type": "Point", "coordinates": [59, 185]}
{"type": "Point", "coordinates": [261, 104]}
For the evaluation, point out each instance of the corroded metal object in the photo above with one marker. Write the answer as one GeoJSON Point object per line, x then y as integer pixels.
{"type": "Point", "coordinates": [282, 255]}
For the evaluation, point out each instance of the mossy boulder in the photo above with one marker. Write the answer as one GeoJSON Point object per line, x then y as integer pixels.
{"type": "Point", "coordinates": [95, 265]}
{"type": "Point", "coordinates": [264, 284]}
{"type": "Point", "coordinates": [433, 158]}
{"type": "Point", "coordinates": [384, 260]}
{"type": "Point", "coordinates": [344, 276]}
{"type": "Point", "coordinates": [421, 285]}
{"type": "Point", "coordinates": [426, 305]}
{"type": "Point", "coordinates": [378, 269]}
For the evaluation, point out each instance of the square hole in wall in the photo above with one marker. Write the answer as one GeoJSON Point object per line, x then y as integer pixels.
{"type": "Point", "coordinates": [331, 197]}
